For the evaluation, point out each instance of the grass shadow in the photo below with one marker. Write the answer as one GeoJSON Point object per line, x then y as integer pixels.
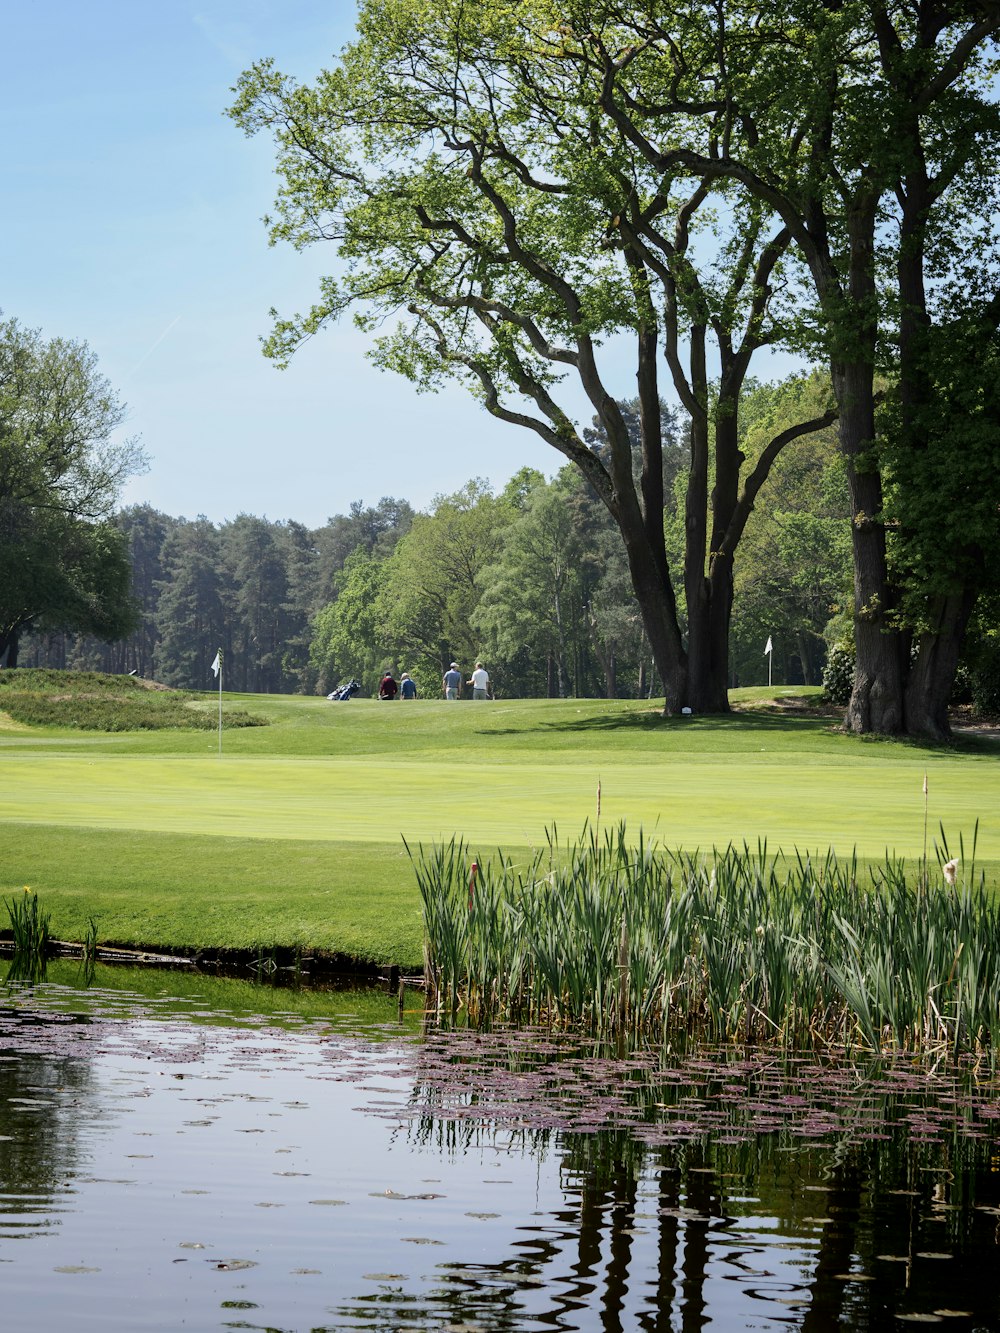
{"type": "Point", "coordinates": [749, 720]}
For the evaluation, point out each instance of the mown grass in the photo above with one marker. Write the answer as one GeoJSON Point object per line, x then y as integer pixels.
{"type": "Point", "coordinates": [294, 835]}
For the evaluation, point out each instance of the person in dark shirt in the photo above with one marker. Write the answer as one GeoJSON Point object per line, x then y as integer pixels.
{"type": "Point", "coordinates": [387, 688]}
{"type": "Point", "coordinates": [407, 686]}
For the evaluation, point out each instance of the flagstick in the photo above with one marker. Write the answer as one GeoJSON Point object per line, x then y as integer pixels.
{"type": "Point", "coordinates": [220, 706]}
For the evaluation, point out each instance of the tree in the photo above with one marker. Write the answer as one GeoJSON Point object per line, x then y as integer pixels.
{"type": "Point", "coordinates": [856, 123]}
{"type": "Point", "coordinates": [795, 560]}
{"type": "Point", "coordinates": [500, 223]}
{"type": "Point", "coordinates": [60, 475]}
{"type": "Point", "coordinates": [373, 528]}
{"type": "Point", "coordinates": [257, 581]}
{"type": "Point", "coordinates": [427, 608]}
{"type": "Point", "coordinates": [190, 617]}
{"type": "Point", "coordinates": [532, 595]}
{"type": "Point", "coordinates": [348, 636]}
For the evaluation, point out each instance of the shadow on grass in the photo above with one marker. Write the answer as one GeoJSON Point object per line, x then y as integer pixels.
{"type": "Point", "coordinates": [762, 720]}
{"type": "Point", "coordinates": [748, 721]}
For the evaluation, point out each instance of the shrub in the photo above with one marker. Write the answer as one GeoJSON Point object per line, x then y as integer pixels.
{"type": "Point", "coordinates": [838, 674]}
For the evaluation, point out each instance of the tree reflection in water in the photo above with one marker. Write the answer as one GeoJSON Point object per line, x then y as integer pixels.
{"type": "Point", "coordinates": [647, 1191]}
{"type": "Point", "coordinates": [40, 1122]}
{"type": "Point", "coordinates": [813, 1194]}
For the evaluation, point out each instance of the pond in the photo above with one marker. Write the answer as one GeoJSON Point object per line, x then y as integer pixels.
{"type": "Point", "coordinates": [181, 1152]}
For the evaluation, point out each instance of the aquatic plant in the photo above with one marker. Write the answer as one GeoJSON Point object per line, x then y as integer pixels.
{"type": "Point", "coordinates": [29, 925]}
{"type": "Point", "coordinates": [617, 935]}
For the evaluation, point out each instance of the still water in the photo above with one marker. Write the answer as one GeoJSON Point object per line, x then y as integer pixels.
{"type": "Point", "coordinates": [175, 1160]}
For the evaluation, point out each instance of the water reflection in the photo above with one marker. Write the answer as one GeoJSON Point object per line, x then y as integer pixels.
{"type": "Point", "coordinates": [208, 1172]}
{"type": "Point", "coordinates": [40, 1114]}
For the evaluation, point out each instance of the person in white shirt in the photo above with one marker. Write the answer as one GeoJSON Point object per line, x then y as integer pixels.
{"type": "Point", "coordinates": [480, 682]}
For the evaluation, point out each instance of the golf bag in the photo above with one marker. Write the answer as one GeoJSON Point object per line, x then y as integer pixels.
{"type": "Point", "coordinates": [345, 691]}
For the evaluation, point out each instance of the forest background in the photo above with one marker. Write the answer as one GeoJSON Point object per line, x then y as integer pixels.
{"type": "Point", "coordinates": [533, 579]}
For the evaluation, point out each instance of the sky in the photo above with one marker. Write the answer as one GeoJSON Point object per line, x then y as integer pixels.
{"type": "Point", "coordinates": [132, 222]}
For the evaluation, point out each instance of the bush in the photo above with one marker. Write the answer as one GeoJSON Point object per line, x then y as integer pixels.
{"type": "Point", "coordinates": [838, 675]}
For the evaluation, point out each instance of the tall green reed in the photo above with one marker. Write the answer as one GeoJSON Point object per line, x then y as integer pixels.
{"type": "Point", "coordinates": [618, 935]}
{"type": "Point", "coordinates": [29, 925]}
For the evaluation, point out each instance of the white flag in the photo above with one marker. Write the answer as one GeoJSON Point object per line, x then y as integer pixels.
{"type": "Point", "coordinates": [217, 664]}
{"type": "Point", "coordinates": [768, 649]}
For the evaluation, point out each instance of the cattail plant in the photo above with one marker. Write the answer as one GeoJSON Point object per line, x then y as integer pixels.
{"type": "Point", "coordinates": [618, 936]}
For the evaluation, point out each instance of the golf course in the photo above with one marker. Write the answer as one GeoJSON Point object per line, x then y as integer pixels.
{"type": "Point", "coordinates": [293, 835]}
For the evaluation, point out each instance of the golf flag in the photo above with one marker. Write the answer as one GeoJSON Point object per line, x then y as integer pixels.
{"type": "Point", "coordinates": [217, 664]}
{"type": "Point", "coordinates": [768, 648]}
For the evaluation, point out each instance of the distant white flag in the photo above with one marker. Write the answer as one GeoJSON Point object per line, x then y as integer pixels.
{"type": "Point", "coordinates": [768, 648]}
{"type": "Point", "coordinates": [217, 664]}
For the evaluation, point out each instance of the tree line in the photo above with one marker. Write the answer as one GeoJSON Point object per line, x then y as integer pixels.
{"type": "Point", "coordinates": [533, 578]}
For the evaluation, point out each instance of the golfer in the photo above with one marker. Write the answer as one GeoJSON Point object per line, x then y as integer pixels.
{"type": "Point", "coordinates": [480, 682]}
{"type": "Point", "coordinates": [451, 682]}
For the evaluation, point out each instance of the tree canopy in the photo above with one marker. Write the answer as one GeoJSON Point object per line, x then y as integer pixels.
{"type": "Point", "coordinates": [63, 564]}
{"type": "Point", "coordinates": [495, 224]}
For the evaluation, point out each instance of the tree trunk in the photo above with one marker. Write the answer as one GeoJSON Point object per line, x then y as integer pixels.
{"type": "Point", "coordinates": [876, 703]}
{"type": "Point", "coordinates": [658, 609]}
{"type": "Point", "coordinates": [933, 675]}
{"type": "Point", "coordinates": [8, 649]}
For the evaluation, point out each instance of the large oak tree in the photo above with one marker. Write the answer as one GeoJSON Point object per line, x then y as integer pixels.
{"type": "Point", "coordinates": [495, 223]}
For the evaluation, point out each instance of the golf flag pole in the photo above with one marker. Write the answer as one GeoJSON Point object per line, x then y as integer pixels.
{"type": "Point", "coordinates": [217, 669]}
{"type": "Point", "coordinates": [769, 653]}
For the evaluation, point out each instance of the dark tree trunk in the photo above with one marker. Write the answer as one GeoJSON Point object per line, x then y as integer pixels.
{"type": "Point", "coordinates": [8, 648]}
{"type": "Point", "coordinates": [876, 702]}
{"type": "Point", "coordinates": [929, 686]}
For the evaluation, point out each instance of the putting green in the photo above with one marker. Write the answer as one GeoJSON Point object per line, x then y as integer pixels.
{"type": "Point", "coordinates": [869, 801]}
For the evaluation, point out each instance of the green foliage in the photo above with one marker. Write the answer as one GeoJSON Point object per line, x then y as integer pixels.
{"type": "Point", "coordinates": [62, 565]}
{"type": "Point", "coordinates": [618, 935]}
{"type": "Point", "coordinates": [983, 664]}
{"type": "Point", "coordinates": [87, 701]}
{"type": "Point", "coordinates": [29, 926]}
{"type": "Point", "coordinates": [838, 674]}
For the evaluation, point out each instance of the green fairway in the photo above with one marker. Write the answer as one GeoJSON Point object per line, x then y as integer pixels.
{"type": "Point", "coordinates": [294, 835]}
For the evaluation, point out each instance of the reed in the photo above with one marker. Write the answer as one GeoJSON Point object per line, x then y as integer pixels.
{"type": "Point", "coordinates": [619, 936]}
{"type": "Point", "coordinates": [29, 925]}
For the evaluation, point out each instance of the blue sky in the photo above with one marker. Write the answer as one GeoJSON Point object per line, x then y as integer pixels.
{"type": "Point", "coordinates": [131, 221]}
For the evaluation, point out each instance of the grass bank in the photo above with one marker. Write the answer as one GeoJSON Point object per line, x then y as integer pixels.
{"type": "Point", "coordinates": [293, 837]}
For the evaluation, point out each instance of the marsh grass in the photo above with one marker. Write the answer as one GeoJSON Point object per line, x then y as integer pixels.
{"type": "Point", "coordinates": [620, 936]}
